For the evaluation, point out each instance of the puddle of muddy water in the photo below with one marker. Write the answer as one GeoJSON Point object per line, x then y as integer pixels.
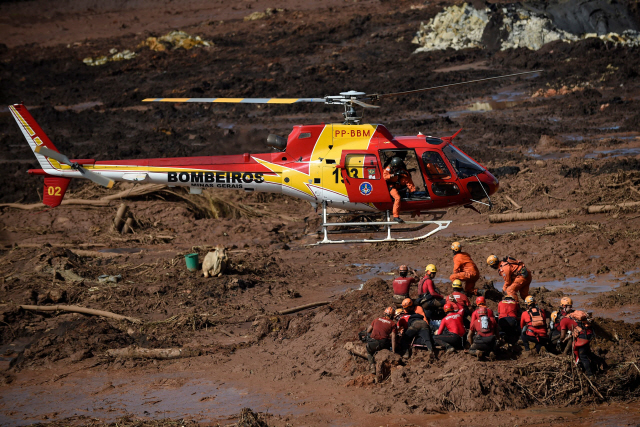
{"type": "Point", "coordinates": [620, 152]}
{"type": "Point", "coordinates": [155, 396]}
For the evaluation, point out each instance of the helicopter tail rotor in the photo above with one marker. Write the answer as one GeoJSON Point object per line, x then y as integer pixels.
{"type": "Point", "coordinates": [61, 158]}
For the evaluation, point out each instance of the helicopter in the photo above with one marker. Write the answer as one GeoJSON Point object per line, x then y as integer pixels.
{"type": "Point", "coordinates": [332, 166]}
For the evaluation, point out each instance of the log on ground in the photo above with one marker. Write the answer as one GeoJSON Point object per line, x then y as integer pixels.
{"type": "Point", "coordinates": [527, 216]}
{"type": "Point", "coordinates": [134, 352]}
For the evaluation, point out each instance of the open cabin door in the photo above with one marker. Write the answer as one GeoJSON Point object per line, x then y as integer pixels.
{"type": "Point", "coordinates": [362, 175]}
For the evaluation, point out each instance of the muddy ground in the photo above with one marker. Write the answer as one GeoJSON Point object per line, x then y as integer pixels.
{"type": "Point", "coordinates": [557, 151]}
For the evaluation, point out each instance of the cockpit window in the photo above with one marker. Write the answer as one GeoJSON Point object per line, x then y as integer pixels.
{"type": "Point", "coordinates": [464, 166]}
{"type": "Point", "coordinates": [433, 140]}
{"type": "Point", "coordinates": [435, 166]}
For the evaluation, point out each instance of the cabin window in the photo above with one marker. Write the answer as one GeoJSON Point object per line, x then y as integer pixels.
{"type": "Point", "coordinates": [434, 165]}
{"type": "Point", "coordinates": [464, 166]}
{"type": "Point", "coordinates": [363, 166]}
{"type": "Point", "coordinates": [305, 135]}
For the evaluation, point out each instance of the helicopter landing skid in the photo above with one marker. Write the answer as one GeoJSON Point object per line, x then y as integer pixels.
{"type": "Point", "coordinates": [384, 226]}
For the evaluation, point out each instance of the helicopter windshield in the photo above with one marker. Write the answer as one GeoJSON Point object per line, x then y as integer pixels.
{"type": "Point", "coordinates": [463, 164]}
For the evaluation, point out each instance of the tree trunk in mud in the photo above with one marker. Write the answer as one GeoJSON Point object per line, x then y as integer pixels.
{"type": "Point", "coordinates": [152, 353]}
{"type": "Point", "coordinates": [528, 216]}
{"type": "Point", "coordinates": [609, 208]}
{"type": "Point", "coordinates": [82, 310]}
{"type": "Point", "coordinates": [356, 349]}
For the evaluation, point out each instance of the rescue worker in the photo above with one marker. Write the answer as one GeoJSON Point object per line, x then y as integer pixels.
{"type": "Point", "coordinates": [517, 278]}
{"type": "Point", "coordinates": [464, 269]}
{"type": "Point", "coordinates": [382, 333]}
{"type": "Point", "coordinates": [429, 297]}
{"type": "Point", "coordinates": [480, 302]}
{"type": "Point", "coordinates": [485, 329]}
{"type": "Point", "coordinates": [413, 324]}
{"type": "Point", "coordinates": [397, 178]}
{"type": "Point", "coordinates": [576, 326]}
{"type": "Point", "coordinates": [533, 324]}
{"type": "Point", "coordinates": [401, 286]}
{"type": "Point", "coordinates": [459, 298]}
{"type": "Point", "coordinates": [508, 312]}
{"type": "Point", "coordinates": [451, 330]}
{"type": "Point", "coordinates": [566, 307]}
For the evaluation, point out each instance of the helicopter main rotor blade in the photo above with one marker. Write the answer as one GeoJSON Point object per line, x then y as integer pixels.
{"type": "Point", "coordinates": [61, 158]}
{"type": "Point", "coordinates": [364, 104]}
{"type": "Point", "coordinates": [238, 100]}
{"type": "Point", "coordinates": [384, 95]}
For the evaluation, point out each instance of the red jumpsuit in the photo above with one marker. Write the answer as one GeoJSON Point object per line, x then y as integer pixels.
{"type": "Point", "coordinates": [466, 270]}
{"type": "Point", "coordinates": [401, 287]}
{"type": "Point", "coordinates": [517, 278]}
{"type": "Point", "coordinates": [426, 285]}
{"type": "Point", "coordinates": [394, 183]}
{"type": "Point", "coordinates": [461, 300]}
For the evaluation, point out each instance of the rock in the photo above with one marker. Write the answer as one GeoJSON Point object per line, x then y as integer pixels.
{"type": "Point", "coordinates": [215, 262]}
{"type": "Point", "coordinates": [156, 289]}
{"type": "Point", "coordinates": [81, 355]}
{"type": "Point", "coordinates": [541, 163]}
{"type": "Point", "coordinates": [58, 295]}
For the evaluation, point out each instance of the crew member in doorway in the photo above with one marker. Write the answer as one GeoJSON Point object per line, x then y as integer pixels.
{"type": "Point", "coordinates": [464, 269]}
{"type": "Point", "coordinates": [397, 178]}
{"type": "Point", "coordinates": [401, 286]}
{"type": "Point", "coordinates": [517, 277]}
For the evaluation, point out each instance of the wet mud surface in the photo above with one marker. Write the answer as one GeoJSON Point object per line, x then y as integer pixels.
{"type": "Point", "coordinates": [567, 149]}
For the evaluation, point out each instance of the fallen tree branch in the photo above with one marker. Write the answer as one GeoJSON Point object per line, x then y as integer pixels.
{"type": "Point", "coordinates": [513, 202]}
{"type": "Point", "coordinates": [546, 193]}
{"type": "Point", "coordinates": [82, 310]}
{"type": "Point", "coordinates": [527, 216]}
{"type": "Point", "coordinates": [96, 203]}
{"type": "Point", "coordinates": [303, 307]}
{"type": "Point", "coordinates": [608, 208]}
{"type": "Point", "coordinates": [134, 352]}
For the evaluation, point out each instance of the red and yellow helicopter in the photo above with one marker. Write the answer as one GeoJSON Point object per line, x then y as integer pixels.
{"type": "Point", "coordinates": [330, 165]}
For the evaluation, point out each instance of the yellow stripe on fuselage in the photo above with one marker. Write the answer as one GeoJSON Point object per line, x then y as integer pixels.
{"type": "Point", "coordinates": [23, 121]}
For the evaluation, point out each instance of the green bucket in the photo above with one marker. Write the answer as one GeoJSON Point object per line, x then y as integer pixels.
{"type": "Point", "coordinates": [192, 261]}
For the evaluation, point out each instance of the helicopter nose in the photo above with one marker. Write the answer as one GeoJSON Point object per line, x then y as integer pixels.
{"type": "Point", "coordinates": [492, 182]}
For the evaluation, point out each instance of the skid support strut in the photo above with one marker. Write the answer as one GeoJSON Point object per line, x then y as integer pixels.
{"type": "Point", "coordinates": [440, 225]}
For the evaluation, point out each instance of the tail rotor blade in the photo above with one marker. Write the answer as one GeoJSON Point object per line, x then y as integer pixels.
{"type": "Point", "coordinates": [47, 152]}
{"type": "Point", "coordinates": [98, 179]}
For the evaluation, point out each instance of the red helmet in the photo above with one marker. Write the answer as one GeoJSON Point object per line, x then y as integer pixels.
{"type": "Point", "coordinates": [403, 270]}
{"type": "Point", "coordinates": [389, 312]}
{"type": "Point", "coordinates": [480, 301]}
{"type": "Point", "coordinates": [482, 311]}
{"type": "Point", "coordinates": [448, 307]}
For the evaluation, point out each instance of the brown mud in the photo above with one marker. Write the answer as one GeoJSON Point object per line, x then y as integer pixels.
{"type": "Point", "coordinates": [558, 152]}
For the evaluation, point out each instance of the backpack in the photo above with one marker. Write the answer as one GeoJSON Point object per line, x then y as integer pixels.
{"type": "Point", "coordinates": [584, 329]}
{"type": "Point", "coordinates": [484, 324]}
{"type": "Point", "coordinates": [537, 321]}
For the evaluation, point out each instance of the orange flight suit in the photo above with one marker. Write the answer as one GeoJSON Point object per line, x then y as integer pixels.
{"type": "Point", "coordinates": [394, 183]}
{"type": "Point", "coordinates": [466, 270]}
{"type": "Point", "coordinates": [517, 278]}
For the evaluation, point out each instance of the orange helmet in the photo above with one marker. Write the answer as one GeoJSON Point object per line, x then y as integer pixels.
{"type": "Point", "coordinates": [456, 247]}
{"type": "Point", "coordinates": [389, 312]}
{"type": "Point", "coordinates": [407, 302]}
{"type": "Point", "coordinates": [480, 301]}
{"type": "Point", "coordinates": [492, 261]}
{"type": "Point", "coordinates": [566, 301]}
{"type": "Point", "coordinates": [448, 307]}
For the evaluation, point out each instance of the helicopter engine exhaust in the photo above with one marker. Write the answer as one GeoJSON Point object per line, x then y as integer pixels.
{"type": "Point", "coordinates": [277, 142]}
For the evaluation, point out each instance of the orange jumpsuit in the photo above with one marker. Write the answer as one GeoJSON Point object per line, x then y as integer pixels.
{"type": "Point", "coordinates": [466, 270]}
{"type": "Point", "coordinates": [394, 183]}
{"type": "Point", "coordinates": [517, 278]}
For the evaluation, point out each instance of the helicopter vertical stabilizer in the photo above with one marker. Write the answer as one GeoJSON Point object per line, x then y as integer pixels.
{"type": "Point", "coordinates": [35, 136]}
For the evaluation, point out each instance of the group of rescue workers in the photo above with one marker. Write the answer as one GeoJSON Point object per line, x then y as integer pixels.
{"type": "Point", "coordinates": [433, 320]}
